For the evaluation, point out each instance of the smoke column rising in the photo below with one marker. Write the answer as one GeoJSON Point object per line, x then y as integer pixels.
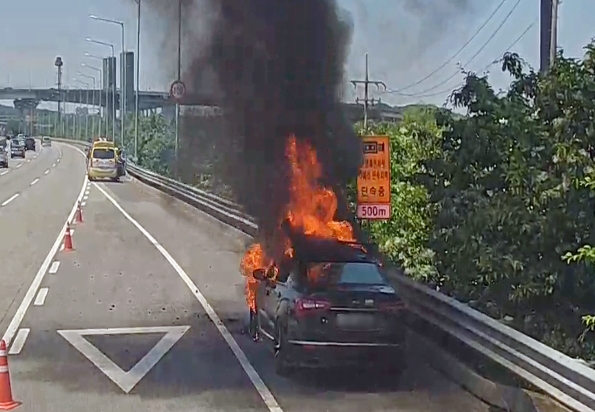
{"type": "Point", "coordinates": [278, 65]}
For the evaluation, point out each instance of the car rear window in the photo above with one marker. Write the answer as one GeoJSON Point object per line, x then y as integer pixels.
{"type": "Point", "coordinates": [103, 154]}
{"type": "Point", "coordinates": [329, 274]}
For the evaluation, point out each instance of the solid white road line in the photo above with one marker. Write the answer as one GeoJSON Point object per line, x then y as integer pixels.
{"type": "Point", "coordinates": [41, 295]}
{"type": "Point", "coordinates": [30, 295]}
{"type": "Point", "coordinates": [35, 181]}
{"type": "Point", "coordinates": [54, 268]}
{"type": "Point", "coordinates": [264, 392]}
{"type": "Point", "coordinates": [19, 341]}
{"type": "Point", "coordinates": [10, 199]}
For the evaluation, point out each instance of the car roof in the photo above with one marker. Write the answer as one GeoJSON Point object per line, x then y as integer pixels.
{"type": "Point", "coordinates": [104, 145]}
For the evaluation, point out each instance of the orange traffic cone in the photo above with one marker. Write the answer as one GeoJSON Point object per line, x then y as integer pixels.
{"type": "Point", "coordinates": [6, 401]}
{"type": "Point", "coordinates": [79, 214]}
{"type": "Point", "coordinates": [68, 239]}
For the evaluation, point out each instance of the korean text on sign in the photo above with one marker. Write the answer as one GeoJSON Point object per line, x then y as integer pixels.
{"type": "Point", "coordinates": [373, 182]}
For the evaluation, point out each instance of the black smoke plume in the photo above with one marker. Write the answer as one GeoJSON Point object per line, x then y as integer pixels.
{"type": "Point", "coordinates": [278, 65]}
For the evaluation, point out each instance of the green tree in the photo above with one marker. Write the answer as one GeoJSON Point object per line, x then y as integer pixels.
{"type": "Point", "coordinates": [155, 143]}
{"type": "Point", "coordinates": [508, 199]}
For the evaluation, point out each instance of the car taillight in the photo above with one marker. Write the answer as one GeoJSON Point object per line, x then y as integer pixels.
{"type": "Point", "coordinates": [309, 306]}
{"type": "Point", "coordinates": [391, 307]}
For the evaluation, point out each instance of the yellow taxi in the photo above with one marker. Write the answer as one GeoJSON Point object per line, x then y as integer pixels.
{"type": "Point", "coordinates": [102, 161]}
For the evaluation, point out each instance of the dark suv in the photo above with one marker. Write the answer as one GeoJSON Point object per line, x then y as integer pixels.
{"type": "Point", "coordinates": [332, 311]}
{"type": "Point", "coordinates": [29, 143]}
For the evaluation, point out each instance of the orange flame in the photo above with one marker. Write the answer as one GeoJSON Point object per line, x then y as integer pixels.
{"type": "Point", "coordinates": [311, 210]}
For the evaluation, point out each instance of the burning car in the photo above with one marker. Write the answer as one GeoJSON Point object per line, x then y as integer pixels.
{"type": "Point", "coordinates": [334, 306]}
{"type": "Point", "coordinates": [322, 297]}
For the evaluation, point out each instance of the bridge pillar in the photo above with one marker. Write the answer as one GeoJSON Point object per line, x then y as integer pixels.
{"type": "Point", "coordinates": [27, 111]}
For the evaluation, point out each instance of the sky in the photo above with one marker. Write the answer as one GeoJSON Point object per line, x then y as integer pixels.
{"type": "Point", "coordinates": [405, 39]}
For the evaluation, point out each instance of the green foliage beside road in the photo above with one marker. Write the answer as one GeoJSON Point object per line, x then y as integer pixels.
{"type": "Point", "coordinates": [156, 143]}
{"type": "Point", "coordinates": [508, 194]}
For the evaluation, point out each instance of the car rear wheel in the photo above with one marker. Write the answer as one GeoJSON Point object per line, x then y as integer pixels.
{"type": "Point", "coordinates": [282, 365]}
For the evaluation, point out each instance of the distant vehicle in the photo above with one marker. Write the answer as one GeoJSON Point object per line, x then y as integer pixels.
{"type": "Point", "coordinates": [102, 162]}
{"type": "Point", "coordinates": [30, 143]}
{"type": "Point", "coordinates": [17, 148]}
{"type": "Point", "coordinates": [333, 310]}
{"type": "Point", "coordinates": [3, 157]}
{"type": "Point", "coordinates": [46, 141]}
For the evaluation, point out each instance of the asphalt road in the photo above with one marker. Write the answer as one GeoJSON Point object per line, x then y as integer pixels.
{"type": "Point", "coordinates": [147, 312]}
{"type": "Point", "coordinates": [36, 195]}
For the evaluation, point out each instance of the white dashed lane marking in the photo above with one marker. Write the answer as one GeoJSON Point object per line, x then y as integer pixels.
{"type": "Point", "coordinates": [19, 165]}
{"type": "Point", "coordinates": [46, 172]}
{"type": "Point", "coordinates": [19, 341]}
{"type": "Point", "coordinates": [41, 295]}
{"type": "Point", "coordinates": [54, 268]}
{"type": "Point", "coordinates": [10, 199]}
{"type": "Point", "coordinates": [4, 172]}
{"type": "Point", "coordinates": [35, 181]}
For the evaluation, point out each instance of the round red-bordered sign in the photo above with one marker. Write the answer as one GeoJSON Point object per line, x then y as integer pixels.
{"type": "Point", "coordinates": [177, 90]}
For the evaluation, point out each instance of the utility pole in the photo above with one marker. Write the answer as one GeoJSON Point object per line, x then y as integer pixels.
{"type": "Point", "coordinates": [367, 101]}
{"type": "Point", "coordinates": [548, 41]}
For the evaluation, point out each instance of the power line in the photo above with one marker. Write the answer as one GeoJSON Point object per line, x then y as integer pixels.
{"type": "Point", "coordinates": [495, 61]}
{"type": "Point", "coordinates": [459, 51]}
{"type": "Point", "coordinates": [488, 41]}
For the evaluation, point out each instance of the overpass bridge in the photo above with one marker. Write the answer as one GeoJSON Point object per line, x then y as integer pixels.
{"type": "Point", "coordinates": [26, 100]}
{"type": "Point", "coordinates": [147, 99]}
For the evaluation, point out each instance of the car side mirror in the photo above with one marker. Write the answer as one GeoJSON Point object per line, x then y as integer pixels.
{"type": "Point", "coordinates": [259, 274]}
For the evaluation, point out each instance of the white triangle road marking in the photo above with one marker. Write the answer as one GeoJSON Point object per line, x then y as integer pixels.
{"type": "Point", "coordinates": [125, 380]}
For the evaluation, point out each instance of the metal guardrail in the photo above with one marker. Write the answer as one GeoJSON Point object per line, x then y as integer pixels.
{"type": "Point", "coordinates": [563, 378]}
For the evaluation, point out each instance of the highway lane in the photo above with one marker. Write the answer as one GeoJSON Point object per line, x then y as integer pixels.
{"type": "Point", "coordinates": [116, 279]}
{"type": "Point", "coordinates": [20, 172]}
{"type": "Point", "coordinates": [209, 252]}
{"type": "Point", "coordinates": [30, 222]}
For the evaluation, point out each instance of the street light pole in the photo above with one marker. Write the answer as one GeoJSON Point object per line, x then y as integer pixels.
{"type": "Point", "coordinates": [111, 46]}
{"type": "Point", "coordinates": [92, 99]}
{"type": "Point", "coordinates": [87, 102]}
{"type": "Point", "coordinates": [122, 73]}
{"type": "Point", "coordinates": [177, 144]}
{"type": "Point", "coordinates": [136, 96]}
{"type": "Point", "coordinates": [103, 109]}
